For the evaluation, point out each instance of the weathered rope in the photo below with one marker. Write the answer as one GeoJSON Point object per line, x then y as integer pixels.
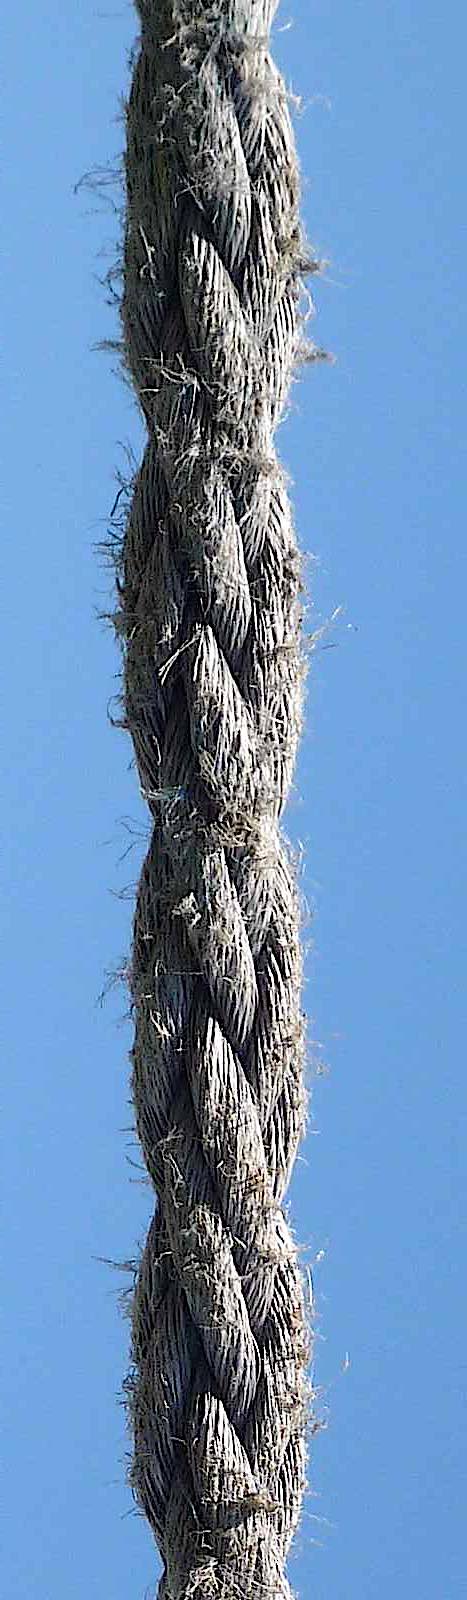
{"type": "Point", "coordinates": [210, 622]}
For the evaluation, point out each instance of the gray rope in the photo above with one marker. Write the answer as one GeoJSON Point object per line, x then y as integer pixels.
{"type": "Point", "coordinates": [210, 623]}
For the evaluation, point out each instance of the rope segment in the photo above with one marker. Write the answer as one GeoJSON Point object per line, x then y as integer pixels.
{"type": "Point", "coordinates": [209, 617]}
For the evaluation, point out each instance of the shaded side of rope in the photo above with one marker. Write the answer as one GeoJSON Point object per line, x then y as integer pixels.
{"type": "Point", "coordinates": [210, 622]}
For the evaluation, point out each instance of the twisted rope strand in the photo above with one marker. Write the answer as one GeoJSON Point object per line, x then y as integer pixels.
{"type": "Point", "coordinates": [210, 622]}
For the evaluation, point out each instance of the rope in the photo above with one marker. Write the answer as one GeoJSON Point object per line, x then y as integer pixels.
{"type": "Point", "coordinates": [210, 623]}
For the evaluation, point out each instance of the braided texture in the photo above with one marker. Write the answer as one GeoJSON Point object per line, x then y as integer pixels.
{"type": "Point", "coordinates": [210, 622]}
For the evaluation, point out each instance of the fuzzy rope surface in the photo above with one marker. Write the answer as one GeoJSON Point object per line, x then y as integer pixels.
{"type": "Point", "coordinates": [209, 618]}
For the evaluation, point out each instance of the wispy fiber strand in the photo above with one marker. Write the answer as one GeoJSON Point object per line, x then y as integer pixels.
{"type": "Point", "coordinates": [210, 623]}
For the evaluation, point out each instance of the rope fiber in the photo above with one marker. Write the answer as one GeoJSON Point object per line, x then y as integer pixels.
{"type": "Point", "coordinates": [210, 623]}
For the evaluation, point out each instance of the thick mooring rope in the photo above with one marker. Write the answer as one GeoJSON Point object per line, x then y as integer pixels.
{"type": "Point", "coordinates": [210, 621]}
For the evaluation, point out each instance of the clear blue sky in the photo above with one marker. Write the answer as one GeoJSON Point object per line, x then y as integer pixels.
{"type": "Point", "coordinates": [374, 446]}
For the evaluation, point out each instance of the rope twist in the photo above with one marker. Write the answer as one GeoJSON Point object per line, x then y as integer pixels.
{"type": "Point", "coordinates": [209, 616]}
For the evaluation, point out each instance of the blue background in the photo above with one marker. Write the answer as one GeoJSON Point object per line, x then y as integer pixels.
{"type": "Point", "coordinates": [374, 446]}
